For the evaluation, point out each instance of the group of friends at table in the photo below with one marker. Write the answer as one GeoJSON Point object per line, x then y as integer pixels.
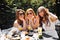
{"type": "Point", "coordinates": [28, 20]}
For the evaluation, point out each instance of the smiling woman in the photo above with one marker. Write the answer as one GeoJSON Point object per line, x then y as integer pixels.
{"type": "Point", "coordinates": [19, 23]}
{"type": "Point", "coordinates": [31, 19]}
{"type": "Point", "coordinates": [20, 20]}
{"type": "Point", "coordinates": [28, 21]}
{"type": "Point", "coordinates": [45, 21]}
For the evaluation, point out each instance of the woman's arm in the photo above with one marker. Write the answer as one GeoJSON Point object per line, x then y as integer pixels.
{"type": "Point", "coordinates": [36, 23]}
{"type": "Point", "coordinates": [24, 25]}
{"type": "Point", "coordinates": [53, 17]}
{"type": "Point", "coordinates": [19, 26]}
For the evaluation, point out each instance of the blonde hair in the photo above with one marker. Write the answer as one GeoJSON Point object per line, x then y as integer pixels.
{"type": "Point", "coordinates": [30, 9]}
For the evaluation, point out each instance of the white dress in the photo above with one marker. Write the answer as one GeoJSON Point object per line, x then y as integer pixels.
{"type": "Point", "coordinates": [50, 30]}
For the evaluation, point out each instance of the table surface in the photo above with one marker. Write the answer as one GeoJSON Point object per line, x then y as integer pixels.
{"type": "Point", "coordinates": [47, 35]}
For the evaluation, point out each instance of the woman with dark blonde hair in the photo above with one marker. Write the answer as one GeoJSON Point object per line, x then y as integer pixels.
{"type": "Point", "coordinates": [47, 21]}
{"type": "Point", "coordinates": [20, 20]}
{"type": "Point", "coordinates": [31, 19]}
{"type": "Point", "coordinates": [19, 23]}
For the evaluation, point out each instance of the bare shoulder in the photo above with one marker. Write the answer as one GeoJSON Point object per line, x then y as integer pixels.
{"type": "Point", "coordinates": [15, 21]}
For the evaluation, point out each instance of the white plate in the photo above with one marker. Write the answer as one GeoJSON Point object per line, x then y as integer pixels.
{"type": "Point", "coordinates": [30, 38]}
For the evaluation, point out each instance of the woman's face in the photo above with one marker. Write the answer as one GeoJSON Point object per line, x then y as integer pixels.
{"type": "Point", "coordinates": [41, 14]}
{"type": "Point", "coordinates": [21, 15]}
{"type": "Point", "coordinates": [29, 13]}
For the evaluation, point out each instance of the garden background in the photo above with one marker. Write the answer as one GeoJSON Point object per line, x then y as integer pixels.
{"type": "Point", "coordinates": [8, 8]}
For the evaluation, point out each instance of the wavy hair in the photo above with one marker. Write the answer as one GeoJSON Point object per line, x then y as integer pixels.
{"type": "Point", "coordinates": [42, 9]}
{"type": "Point", "coordinates": [30, 9]}
{"type": "Point", "coordinates": [17, 15]}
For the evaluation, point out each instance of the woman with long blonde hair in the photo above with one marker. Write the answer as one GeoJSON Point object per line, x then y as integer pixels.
{"type": "Point", "coordinates": [31, 18]}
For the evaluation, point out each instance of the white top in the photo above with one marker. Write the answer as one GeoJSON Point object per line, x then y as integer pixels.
{"type": "Point", "coordinates": [52, 24]}
{"type": "Point", "coordinates": [15, 21]}
{"type": "Point", "coordinates": [50, 30]}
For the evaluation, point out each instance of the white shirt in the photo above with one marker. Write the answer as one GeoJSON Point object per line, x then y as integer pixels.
{"type": "Point", "coordinates": [50, 30]}
{"type": "Point", "coordinates": [52, 24]}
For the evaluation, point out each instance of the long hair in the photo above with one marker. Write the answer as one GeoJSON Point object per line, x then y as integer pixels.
{"type": "Point", "coordinates": [17, 15]}
{"type": "Point", "coordinates": [45, 18]}
{"type": "Point", "coordinates": [30, 9]}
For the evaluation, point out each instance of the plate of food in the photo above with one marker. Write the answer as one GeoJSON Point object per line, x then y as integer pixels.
{"type": "Point", "coordinates": [27, 38]}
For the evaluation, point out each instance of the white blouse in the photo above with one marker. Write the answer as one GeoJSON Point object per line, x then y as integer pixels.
{"type": "Point", "coordinates": [52, 24]}
{"type": "Point", "coordinates": [50, 30]}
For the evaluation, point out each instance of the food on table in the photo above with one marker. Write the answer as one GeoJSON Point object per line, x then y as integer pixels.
{"type": "Point", "coordinates": [27, 38]}
{"type": "Point", "coordinates": [20, 28]}
{"type": "Point", "coordinates": [29, 27]}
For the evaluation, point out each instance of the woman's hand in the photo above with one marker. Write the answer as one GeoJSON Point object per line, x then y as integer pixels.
{"type": "Point", "coordinates": [22, 19]}
{"type": "Point", "coordinates": [47, 10]}
{"type": "Point", "coordinates": [30, 18]}
{"type": "Point", "coordinates": [24, 28]}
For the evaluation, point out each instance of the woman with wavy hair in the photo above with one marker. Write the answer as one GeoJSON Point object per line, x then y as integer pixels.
{"type": "Point", "coordinates": [19, 23]}
{"type": "Point", "coordinates": [20, 20]}
{"type": "Point", "coordinates": [31, 18]}
{"type": "Point", "coordinates": [47, 21]}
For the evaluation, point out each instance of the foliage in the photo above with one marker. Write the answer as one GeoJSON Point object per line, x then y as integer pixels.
{"type": "Point", "coordinates": [24, 4]}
